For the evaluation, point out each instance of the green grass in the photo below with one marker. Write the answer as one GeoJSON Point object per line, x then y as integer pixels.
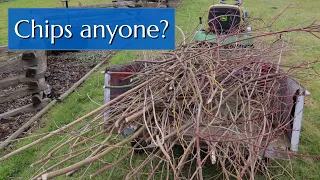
{"type": "Point", "coordinates": [301, 13]}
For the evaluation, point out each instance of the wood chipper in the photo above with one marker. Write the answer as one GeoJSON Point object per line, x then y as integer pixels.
{"type": "Point", "coordinates": [288, 141]}
{"type": "Point", "coordinates": [227, 23]}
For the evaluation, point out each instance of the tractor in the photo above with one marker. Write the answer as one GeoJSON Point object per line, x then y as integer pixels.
{"type": "Point", "coordinates": [227, 25]}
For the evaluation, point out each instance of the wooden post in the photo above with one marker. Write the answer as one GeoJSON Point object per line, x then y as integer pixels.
{"type": "Point", "coordinates": [41, 68]}
{"type": "Point", "coordinates": [36, 65]}
{"type": "Point", "coordinates": [31, 71]}
{"type": "Point", "coordinates": [28, 56]}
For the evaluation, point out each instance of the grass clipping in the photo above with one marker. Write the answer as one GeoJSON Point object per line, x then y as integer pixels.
{"type": "Point", "coordinates": [197, 105]}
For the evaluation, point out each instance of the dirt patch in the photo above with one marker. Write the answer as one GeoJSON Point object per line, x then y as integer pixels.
{"type": "Point", "coordinates": [66, 69]}
{"type": "Point", "coordinates": [9, 125]}
{"type": "Point", "coordinates": [174, 3]}
{"type": "Point", "coordinates": [63, 71]}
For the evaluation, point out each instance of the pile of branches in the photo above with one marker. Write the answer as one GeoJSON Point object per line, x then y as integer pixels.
{"type": "Point", "coordinates": [221, 106]}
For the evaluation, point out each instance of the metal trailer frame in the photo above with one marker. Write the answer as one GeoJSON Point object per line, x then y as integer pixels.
{"type": "Point", "coordinates": [287, 142]}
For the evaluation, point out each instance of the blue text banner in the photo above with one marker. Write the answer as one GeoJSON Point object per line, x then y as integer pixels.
{"type": "Point", "coordinates": [91, 29]}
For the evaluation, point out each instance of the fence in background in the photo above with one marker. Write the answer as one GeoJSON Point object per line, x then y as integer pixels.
{"type": "Point", "coordinates": [34, 65]}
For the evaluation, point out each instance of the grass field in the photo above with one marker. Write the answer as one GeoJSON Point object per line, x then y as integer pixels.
{"type": "Point", "coordinates": [301, 13]}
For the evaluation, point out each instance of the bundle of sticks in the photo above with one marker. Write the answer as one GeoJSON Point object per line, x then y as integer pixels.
{"type": "Point", "coordinates": [198, 104]}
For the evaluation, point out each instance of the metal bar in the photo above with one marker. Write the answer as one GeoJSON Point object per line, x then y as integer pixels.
{"type": "Point", "coordinates": [107, 92]}
{"type": "Point", "coordinates": [297, 123]}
